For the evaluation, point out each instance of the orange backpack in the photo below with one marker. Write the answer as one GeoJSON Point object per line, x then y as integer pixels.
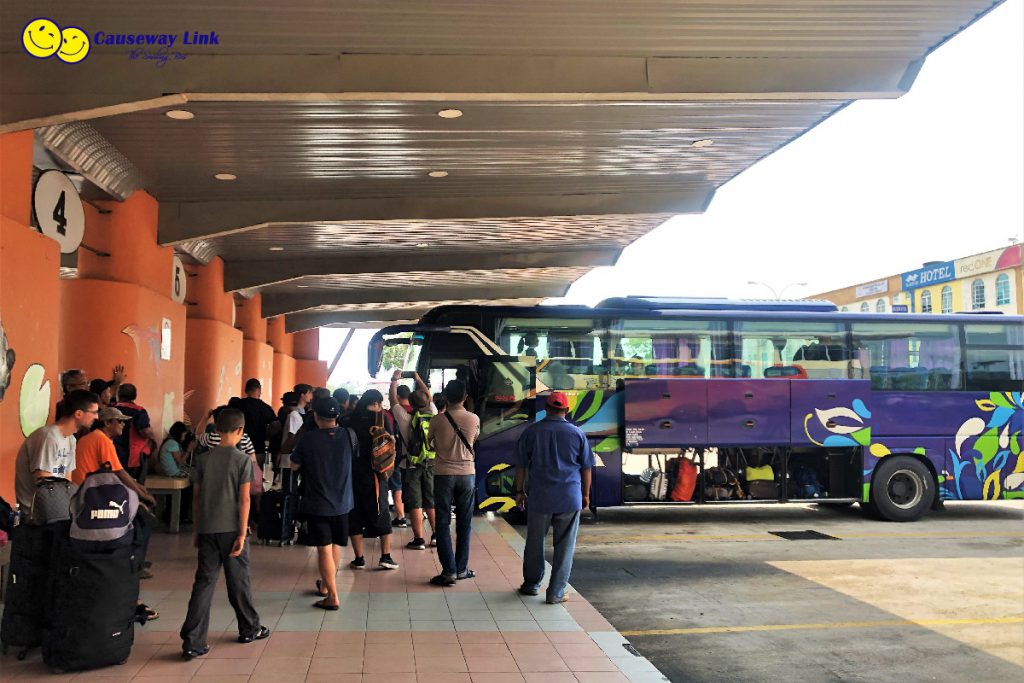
{"type": "Point", "coordinates": [382, 448]}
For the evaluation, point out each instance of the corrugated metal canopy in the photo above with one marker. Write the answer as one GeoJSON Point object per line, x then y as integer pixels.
{"type": "Point", "coordinates": [577, 132]}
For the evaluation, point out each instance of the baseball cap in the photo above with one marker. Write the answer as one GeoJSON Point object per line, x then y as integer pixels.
{"type": "Point", "coordinates": [112, 414]}
{"type": "Point", "coordinates": [559, 400]}
{"type": "Point", "coordinates": [327, 408]}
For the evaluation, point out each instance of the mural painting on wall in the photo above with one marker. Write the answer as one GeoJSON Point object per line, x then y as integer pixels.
{"type": "Point", "coordinates": [34, 400]}
{"type": "Point", "coordinates": [6, 361]}
{"type": "Point", "coordinates": [148, 337]}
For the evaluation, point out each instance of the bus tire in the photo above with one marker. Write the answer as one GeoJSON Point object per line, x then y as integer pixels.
{"type": "Point", "coordinates": [902, 488]}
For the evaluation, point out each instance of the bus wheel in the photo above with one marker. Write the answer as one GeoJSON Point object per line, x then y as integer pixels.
{"type": "Point", "coordinates": [902, 488]}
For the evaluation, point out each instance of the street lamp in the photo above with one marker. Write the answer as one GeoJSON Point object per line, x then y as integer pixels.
{"type": "Point", "coordinates": [778, 294]}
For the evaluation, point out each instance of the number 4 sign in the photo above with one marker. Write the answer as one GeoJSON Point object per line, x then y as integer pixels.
{"type": "Point", "coordinates": [58, 209]}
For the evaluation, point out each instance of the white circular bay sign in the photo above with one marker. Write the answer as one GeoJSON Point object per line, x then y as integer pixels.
{"type": "Point", "coordinates": [178, 276]}
{"type": "Point", "coordinates": [59, 212]}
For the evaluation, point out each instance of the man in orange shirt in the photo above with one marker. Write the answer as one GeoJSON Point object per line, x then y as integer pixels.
{"type": "Point", "coordinates": [97, 448]}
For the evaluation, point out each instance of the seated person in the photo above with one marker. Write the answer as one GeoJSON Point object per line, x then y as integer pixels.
{"type": "Point", "coordinates": [176, 451]}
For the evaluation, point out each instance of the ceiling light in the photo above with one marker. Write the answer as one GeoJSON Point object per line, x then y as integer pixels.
{"type": "Point", "coordinates": [179, 114]}
{"type": "Point", "coordinates": [422, 245]}
{"type": "Point", "coordinates": [450, 113]}
{"type": "Point", "coordinates": [702, 143]}
{"type": "Point", "coordinates": [302, 286]}
{"type": "Point", "coordinates": [225, 176]}
{"type": "Point", "coordinates": [276, 248]}
{"type": "Point", "coordinates": [438, 174]}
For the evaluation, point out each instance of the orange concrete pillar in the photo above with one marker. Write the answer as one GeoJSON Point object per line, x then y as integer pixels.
{"type": "Point", "coordinates": [119, 309]}
{"type": "Point", "coordinates": [283, 363]}
{"type": "Point", "coordinates": [29, 310]}
{"type": "Point", "coordinates": [213, 366]}
{"type": "Point", "coordinates": [309, 369]}
{"type": "Point", "coordinates": [257, 354]}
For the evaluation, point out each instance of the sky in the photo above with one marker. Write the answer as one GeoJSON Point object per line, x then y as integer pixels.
{"type": "Point", "coordinates": [877, 189]}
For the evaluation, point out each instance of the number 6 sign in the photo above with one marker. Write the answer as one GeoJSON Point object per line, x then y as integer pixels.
{"type": "Point", "coordinates": [178, 276]}
{"type": "Point", "coordinates": [58, 209]}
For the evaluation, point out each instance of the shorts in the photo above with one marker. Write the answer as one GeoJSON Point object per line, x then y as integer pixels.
{"type": "Point", "coordinates": [321, 531]}
{"type": "Point", "coordinates": [395, 481]}
{"type": "Point", "coordinates": [418, 491]}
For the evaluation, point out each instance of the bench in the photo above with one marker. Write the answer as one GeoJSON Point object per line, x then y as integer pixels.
{"type": "Point", "coordinates": [169, 486]}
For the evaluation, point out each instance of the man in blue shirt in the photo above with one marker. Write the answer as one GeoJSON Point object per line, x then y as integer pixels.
{"type": "Point", "coordinates": [325, 458]}
{"type": "Point", "coordinates": [557, 457]}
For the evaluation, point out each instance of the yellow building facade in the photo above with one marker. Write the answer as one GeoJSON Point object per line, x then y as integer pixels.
{"type": "Point", "coordinates": [990, 281]}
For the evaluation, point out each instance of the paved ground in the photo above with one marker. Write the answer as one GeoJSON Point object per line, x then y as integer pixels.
{"type": "Point", "coordinates": [710, 595]}
{"type": "Point", "coordinates": [393, 626]}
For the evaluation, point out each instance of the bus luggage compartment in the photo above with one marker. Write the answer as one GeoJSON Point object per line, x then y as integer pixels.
{"type": "Point", "coordinates": [663, 413]}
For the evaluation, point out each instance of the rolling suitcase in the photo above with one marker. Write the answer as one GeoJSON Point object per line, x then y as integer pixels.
{"type": "Point", "coordinates": [276, 521]}
{"type": "Point", "coordinates": [93, 607]}
{"type": "Point", "coordinates": [26, 594]}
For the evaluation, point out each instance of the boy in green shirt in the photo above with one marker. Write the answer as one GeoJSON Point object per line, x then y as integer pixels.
{"type": "Point", "coordinates": [220, 508]}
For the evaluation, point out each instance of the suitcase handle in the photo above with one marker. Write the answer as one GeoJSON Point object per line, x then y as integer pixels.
{"type": "Point", "coordinates": [749, 424]}
{"type": "Point", "coordinates": [665, 424]}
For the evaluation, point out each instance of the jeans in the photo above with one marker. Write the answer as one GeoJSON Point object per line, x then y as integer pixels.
{"type": "Point", "coordinates": [460, 491]}
{"type": "Point", "coordinates": [565, 525]}
{"type": "Point", "coordinates": [214, 552]}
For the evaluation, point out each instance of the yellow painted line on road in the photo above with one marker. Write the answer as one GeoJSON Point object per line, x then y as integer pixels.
{"type": "Point", "coordinates": [888, 623]}
{"type": "Point", "coordinates": [679, 537]}
{"type": "Point", "coordinates": [937, 534]}
{"type": "Point", "coordinates": [595, 539]}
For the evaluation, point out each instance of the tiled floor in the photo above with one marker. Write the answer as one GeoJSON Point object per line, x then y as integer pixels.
{"type": "Point", "coordinates": [392, 627]}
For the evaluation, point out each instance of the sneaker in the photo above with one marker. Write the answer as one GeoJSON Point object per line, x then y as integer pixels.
{"type": "Point", "coordinates": [146, 574]}
{"type": "Point", "coordinates": [416, 544]}
{"type": "Point", "coordinates": [261, 633]}
{"type": "Point", "coordinates": [468, 574]}
{"type": "Point", "coordinates": [526, 590]}
{"type": "Point", "coordinates": [387, 563]}
{"type": "Point", "coordinates": [400, 523]}
{"type": "Point", "coordinates": [358, 563]}
{"type": "Point", "coordinates": [433, 540]}
{"type": "Point", "coordinates": [443, 580]}
{"type": "Point", "coordinates": [195, 652]}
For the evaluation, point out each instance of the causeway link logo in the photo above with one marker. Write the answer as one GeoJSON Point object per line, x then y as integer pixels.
{"type": "Point", "coordinates": [42, 39]}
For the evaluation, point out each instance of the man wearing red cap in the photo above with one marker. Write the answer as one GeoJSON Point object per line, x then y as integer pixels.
{"type": "Point", "coordinates": [557, 457]}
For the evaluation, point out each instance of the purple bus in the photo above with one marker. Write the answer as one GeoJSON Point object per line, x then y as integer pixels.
{"type": "Point", "coordinates": [709, 401]}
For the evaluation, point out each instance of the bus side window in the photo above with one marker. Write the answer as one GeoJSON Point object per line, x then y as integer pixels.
{"type": "Point", "coordinates": [899, 356]}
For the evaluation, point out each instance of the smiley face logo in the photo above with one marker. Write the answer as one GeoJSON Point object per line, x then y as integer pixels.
{"type": "Point", "coordinates": [74, 45]}
{"type": "Point", "coordinates": [41, 38]}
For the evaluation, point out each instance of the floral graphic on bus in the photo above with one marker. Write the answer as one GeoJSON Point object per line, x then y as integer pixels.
{"type": "Point", "coordinates": [984, 449]}
{"type": "Point", "coordinates": [845, 427]}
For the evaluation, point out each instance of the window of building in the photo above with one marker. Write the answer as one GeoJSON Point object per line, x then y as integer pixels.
{"type": "Point", "coordinates": [947, 299]}
{"type": "Point", "coordinates": [864, 307]}
{"type": "Point", "coordinates": [845, 309]}
{"type": "Point", "coordinates": [880, 306]}
{"type": "Point", "coordinates": [977, 294]}
{"type": "Point", "coordinates": [1002, 290]}
{"type": "Point", "coordinates": [926, 301]}
{"type": "Point", "coordinates": [792, 349]}
{"type": "Point", "coordinates": [907, 356]}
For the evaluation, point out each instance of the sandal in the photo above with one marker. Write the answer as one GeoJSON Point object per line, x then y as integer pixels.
{"type": "Point", "coordinates": [320, 588]}
{"type": "Point", "coordinates": [148, 612]}
{"type": "Point", "coordinates": [468, 574]}
{"type": "Point", "coordinates": [323, 604]}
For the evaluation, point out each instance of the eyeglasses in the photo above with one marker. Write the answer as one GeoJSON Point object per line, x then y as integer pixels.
{"type": "Point", "coordinates": [94, 412]}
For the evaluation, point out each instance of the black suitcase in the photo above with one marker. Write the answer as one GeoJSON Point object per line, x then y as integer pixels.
{"type": "Point", "coordinates": [26, 594]}
{"type": "Point", "coordinates": [93, 607]}
{"type": "Point", "coordinates": [276, 521]}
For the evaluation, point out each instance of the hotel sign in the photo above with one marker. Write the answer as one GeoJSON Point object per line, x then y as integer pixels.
{"type": "Point", "coordinates": [933, 275]}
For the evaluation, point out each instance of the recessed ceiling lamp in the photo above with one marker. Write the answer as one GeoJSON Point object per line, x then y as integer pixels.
{"type": "Point", "coordinates": [702, 143]}
{"type": "Point", "coordinates": [450, 113]}
{"type": "Point", "coordinates": [225, 176]}
{"type": "Point", "coordinates": [422, 245]}
{"type": "Point", "coordinates": [179, 114]}
{"type": "Point", "coordinates": [276, 248]}
{"type": "Point", "coordinates": [438, 174]}
{"type": "Point", "coordinates": [302, 286]}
